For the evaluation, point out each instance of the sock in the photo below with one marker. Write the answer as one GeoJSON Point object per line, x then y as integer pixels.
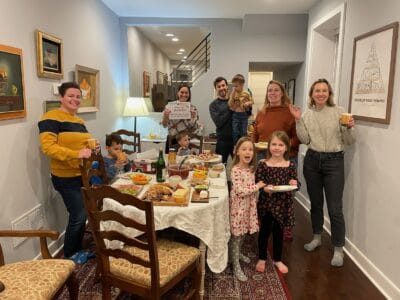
{"type": "Point", "coordinates": [316, 242]}
{"type": "Point", "coordinates": [337, 259]}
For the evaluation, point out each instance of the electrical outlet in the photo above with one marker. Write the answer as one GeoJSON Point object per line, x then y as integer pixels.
{"type": "Point", "coordinates": [22, 223]}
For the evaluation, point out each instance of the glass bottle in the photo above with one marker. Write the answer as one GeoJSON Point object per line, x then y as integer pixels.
{"type": "Point", "coordinates": [160, 167]}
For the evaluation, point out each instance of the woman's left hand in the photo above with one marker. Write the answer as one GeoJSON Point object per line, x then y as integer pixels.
{"type": "Point", "coordinates": [293, 182]}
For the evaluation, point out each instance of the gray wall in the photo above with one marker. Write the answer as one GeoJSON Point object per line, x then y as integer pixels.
{"type": "Point", "coordinates": [91, 37]}
{"type": "Point", "coordinates": [371, 196]}
{"type": "Point", "coordinates": [234, 44]}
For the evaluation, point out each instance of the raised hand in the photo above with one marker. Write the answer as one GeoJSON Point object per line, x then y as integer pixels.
{"type": "Point", "coordinates": [295, 111]}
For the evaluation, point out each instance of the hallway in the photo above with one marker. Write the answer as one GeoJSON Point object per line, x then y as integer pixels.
{"type": "Point", "coordinates": [311, 275]}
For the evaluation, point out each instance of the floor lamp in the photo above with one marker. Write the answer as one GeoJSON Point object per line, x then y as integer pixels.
{"type": "Point", "coordinates": [135, 107]}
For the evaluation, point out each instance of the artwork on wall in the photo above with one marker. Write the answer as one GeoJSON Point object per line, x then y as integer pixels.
{"type": "Point", "coordinates": [372, 76]}
{"type": "Point", "coordinates": [51, 105]}
{"type": "Point", "coordinates": [49, 56]}
{"type": "Point", "coordinates": [12, 93]}
{"type": "Point", "coordinates": [291, 89]}
{"type": "Point", "coordinates": [146, 84]}
{"type": "Point", "coordinates": [89, 82]}
{"type": "Point", "coordinates": [160, 77]}
{"type": "Point", "coordinates": [165, 79]}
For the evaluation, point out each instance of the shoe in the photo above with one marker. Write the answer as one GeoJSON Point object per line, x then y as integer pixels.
{"type": "Point", "coordinates": [281, 267]}
{"type": "Point", "coordinates": [260, 266]}
{"type": "Point", "coordinates": [81, 257]}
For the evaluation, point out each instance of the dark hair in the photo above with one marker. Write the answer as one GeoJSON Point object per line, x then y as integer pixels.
{"type": "Point", "coordinates": [218, 79]}
{"type": "Point", "coordinates": [238, 78]}
{"type": "Point", "coordinates": [236, 159]}
{"type": "Point", "coordinates": [68, 85]}
{"type": "Point", "coordinates": [285, 100]}
{"type": "Point", "coordinates": [113, 138]}
{"type": "Point", "coordinates": [329, 102]}
{"type": "Point", "coordinates": [182, 85]}
{"type": "Point", "coordinates": [181, 134]}
{"type": "Point", "coordinates": [280, 135]}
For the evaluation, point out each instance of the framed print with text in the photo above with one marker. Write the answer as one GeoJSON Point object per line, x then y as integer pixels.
{"type": "Point", "coordinates": [372, 76]}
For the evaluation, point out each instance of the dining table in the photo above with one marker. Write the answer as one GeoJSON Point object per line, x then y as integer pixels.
{"type": "Point", "coordinates": [209, 222]}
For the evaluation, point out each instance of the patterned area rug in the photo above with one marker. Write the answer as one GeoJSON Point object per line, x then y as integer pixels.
{"type": "Point", "coordinates": [224, 286]}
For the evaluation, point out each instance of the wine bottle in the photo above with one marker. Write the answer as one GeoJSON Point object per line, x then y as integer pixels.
{"type": "Point", "coordinates": [160, 167]}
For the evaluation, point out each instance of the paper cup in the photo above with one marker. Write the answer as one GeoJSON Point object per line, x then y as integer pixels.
{"type": "Point", "coordinates": [92, 143]}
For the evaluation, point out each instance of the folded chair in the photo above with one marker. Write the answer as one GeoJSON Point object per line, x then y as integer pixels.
{"type": "Point", "coordinates": [36, 279]}
{"type": "Point", "coordinates": [144, 267]}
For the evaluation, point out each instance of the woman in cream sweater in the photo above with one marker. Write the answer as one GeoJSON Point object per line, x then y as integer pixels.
{"type": "Point", "coordinates": [320, 129]}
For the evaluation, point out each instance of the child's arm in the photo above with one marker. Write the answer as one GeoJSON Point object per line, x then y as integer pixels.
{"type": "Point", "coordinates": [241, 185]}
{"type": "Point", "coordinates": [111, 170]}
{"type": "Point", "coordinates": [293, 175]}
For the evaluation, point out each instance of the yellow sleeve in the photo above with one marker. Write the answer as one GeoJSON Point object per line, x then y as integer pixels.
{"type": "Point", "coordinates": [48, 142]}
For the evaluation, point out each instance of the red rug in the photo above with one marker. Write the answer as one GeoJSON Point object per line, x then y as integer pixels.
{"type": "Point", "coordinates": [224, 286]}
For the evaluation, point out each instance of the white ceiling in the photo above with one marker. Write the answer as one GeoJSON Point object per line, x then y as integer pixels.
{"type": "Point", "coordinates": [206, 8]}
{"type": "Point", "coordinates": [189, 37]}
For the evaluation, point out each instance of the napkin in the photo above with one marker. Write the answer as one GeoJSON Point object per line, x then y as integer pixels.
{"type": "Point", "coordinates": [218, 183]}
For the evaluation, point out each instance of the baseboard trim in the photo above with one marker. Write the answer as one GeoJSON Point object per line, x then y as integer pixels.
{"type": "Point", "coordinates": [376, 276]}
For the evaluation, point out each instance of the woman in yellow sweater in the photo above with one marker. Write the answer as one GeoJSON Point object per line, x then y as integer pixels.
{"type": "Point", "coordinates": [63, 137]}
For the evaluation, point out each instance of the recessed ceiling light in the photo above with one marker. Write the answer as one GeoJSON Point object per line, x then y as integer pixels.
{"type": "Point", "coordinates": [175, 39]}
{"type": "Point", "coordinates": [183, 60]}
{"type": "Point", "coordinates": [169, 34]}
{"type": "Point", "coordinates": [180, 53]}
{"type": "Point", "coordinates": [182, 50]}
{"type": "Point", "coordinates": [185, 57]}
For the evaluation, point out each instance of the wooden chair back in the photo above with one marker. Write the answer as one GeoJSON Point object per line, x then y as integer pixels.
{"type": "Point", "coordinates": [88, 172]}
{"type": "Point", "coordinates": [93, 199]}
{"type": "Point", "coordinates": [172, 142]}
{"type": "Point", "coordinates": [130, 141]}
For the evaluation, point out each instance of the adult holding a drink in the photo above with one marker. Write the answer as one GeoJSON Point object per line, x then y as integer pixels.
{"type": "Point", "coordinates": [65, 139]}
{"type": "Point", "coordinates": [175, 126]}
{"type": "Point", "coordinates": [320, 128]}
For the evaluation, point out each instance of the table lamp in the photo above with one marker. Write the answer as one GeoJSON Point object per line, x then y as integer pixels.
{"type": "Point", "coordinates": [135, 107]}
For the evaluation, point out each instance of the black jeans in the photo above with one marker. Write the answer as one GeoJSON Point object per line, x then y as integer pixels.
{"type": "Point", "coordinates": [268, 224]}
{"type": "Point", "coordinates": [324, 172]}
{"type": "Point", "coordinates": [224, 147]}
{"type": "Point", "coordinates": [70, 190]}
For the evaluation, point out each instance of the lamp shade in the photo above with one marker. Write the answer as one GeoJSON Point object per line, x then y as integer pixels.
{"type": "Point", "coordinates": [135, 107]}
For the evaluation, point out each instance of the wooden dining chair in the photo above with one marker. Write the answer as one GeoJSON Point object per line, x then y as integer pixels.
{"type": "Point", "coordinates": [145, 267]}
{"type": "Point", "coordinates": [37, 279]}
{"type": "Point", "coordinates": [88, 172]}
{"type": "Point", "coordinates": [172, 143]}
{"type": "Point", "coordinates": [130, 141]}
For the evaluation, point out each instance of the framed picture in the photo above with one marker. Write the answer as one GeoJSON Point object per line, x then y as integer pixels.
{"type": "Point", "coordinates": [372, 76]}
{"type": "Point", "coordinates": [146, 84]}
{"type": "Point", "coordinates": [49, 56]}
{"type": "Point", "coordinates": [165, 79]}
{"type": "Point", "coordinates": [49, 105]}
{"type": "Point", "coordinates": [12, 91]}
{"type": "Point", "coordinates": [89, 82]}
{"type": "Point", "coordinates": [291, 89]}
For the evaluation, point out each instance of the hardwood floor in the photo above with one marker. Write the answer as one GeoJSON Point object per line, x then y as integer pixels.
{"type": "Point", "coordinates": [312, 277]}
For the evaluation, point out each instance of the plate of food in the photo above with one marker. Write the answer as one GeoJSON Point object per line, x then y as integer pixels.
{"type": "Point", "coordinates": [206, 157]}
{"type": "Point", "coordinates": [130, 189]}
{"type": "Point", "coordinates": [137, 177]}
{"type": "Point", "coordinates": [283, 188]}
{"type": "Point", "coordinates": [261, 145]}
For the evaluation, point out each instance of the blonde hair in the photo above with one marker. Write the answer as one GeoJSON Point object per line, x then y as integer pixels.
{"type": "Point", "coordinates": [285, 100]}
{"type": "Point", "coordinates": [311, 102]}
{"type": "Point", "coordinates": [236, 158]}
{"type": "Point", "coordinates": [239, 78]}
{"type": "Point", "coordinates": [282, 136]}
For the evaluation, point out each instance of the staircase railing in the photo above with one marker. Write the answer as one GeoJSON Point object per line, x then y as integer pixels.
{"type": "Point", "coordinates": [196, 64]}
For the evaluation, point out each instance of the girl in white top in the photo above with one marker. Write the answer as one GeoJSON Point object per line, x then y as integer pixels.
{"type": "Point", "coordinates": [320, 129]}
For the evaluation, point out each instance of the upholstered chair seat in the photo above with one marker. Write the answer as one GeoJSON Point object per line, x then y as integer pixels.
{"type": "Point", "coordinates": [36, 279]}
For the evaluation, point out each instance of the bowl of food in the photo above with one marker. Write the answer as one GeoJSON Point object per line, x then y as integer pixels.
{"type": "Point", "coordinates": [200, 187]}
{"type": "Point", "coordinates": [183, 171]}
{"type": "Point", "coordinates": [140, 178]}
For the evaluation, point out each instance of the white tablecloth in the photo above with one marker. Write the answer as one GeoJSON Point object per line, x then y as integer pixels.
{"type": "Point", "coordinates": [207, 221]}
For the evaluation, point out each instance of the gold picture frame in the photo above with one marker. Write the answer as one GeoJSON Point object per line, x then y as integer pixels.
{"type": "Point", "coordinates": [146, 84]}
{"type": "Point", "coordinates": [12, 90]}
{"type": "Point", "coordinates": [89, 82]}
{"type": "Point", "coordinates": [49, 105]}
{"type": "Point", "coordinates": [49, 56]}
